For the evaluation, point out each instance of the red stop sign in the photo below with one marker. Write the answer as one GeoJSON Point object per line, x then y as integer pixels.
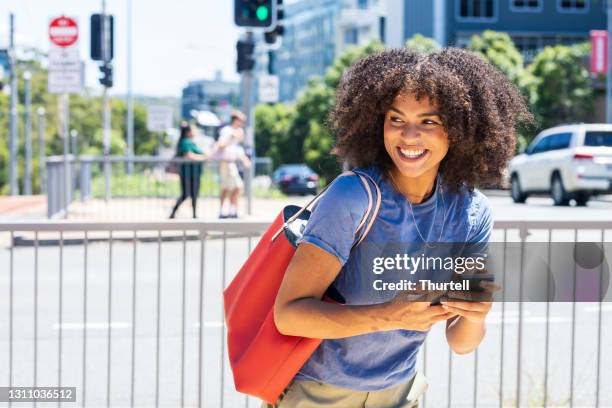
{"type": "Point", "coordinates": [63, 31]}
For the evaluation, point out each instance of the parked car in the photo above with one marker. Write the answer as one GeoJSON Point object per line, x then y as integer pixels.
{"type": "Point", "coordinates": [567, 162]}
{"type": "Point", "coordinates": [296, 179]}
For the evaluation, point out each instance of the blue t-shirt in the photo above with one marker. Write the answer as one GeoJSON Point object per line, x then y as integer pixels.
{"type": "Point", "coordinates": [380, 360]}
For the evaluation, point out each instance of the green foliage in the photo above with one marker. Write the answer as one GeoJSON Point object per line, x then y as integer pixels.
{"type": "Point", "coordinates": [85, 118]}
{"type": "Point", "coordinates": [298, 133]}
{"type": "Point", "coordinates": [422, 44]}
{"type": "Point", "coordinates": [563, 87]}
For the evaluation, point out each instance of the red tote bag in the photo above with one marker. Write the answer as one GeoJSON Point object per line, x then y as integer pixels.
{"type": "Point", "coordinates": [263, 360]}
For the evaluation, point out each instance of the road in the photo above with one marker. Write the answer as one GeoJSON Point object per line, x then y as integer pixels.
{"type": "Point", "coordinates": [165, 261]}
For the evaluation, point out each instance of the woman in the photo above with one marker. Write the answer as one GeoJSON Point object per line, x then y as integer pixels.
{"type": "Point", "coordinates": [427, 129]}
{"type": "Point", "coordinates": [189, 172]}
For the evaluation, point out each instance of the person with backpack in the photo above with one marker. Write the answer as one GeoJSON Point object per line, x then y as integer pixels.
{"type": "Point", "coordinates": [191, 172]}
{"type": "Point", "coordinates": [427, 128]}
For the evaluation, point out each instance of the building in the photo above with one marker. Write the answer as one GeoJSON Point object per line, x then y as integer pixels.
{"type": "Point", "coordinates": [316, 32]}
{"type": "Point", "coordinates": [532, 24]}
{"type": "Point", "coordinates": [216, 95]}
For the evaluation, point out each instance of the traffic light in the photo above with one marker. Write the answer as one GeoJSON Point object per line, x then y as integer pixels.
{"type": "Point", "coordinates": [97, 37]}
{"type": "Point", "coordinates": [106, 75]}
{"type": "Point", "coordinates": [245, 49]}
{"type": "Point", "coordinates": [255, 13]}
{"type": "Point", "coordinates": [279, 29]}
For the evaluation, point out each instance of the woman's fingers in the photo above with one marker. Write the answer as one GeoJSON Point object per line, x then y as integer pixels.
{"type": "Point", "coordinates": [469, 306]}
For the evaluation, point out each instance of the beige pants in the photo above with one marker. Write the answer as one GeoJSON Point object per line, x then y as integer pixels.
{"type": "Point", "coordinates": [230, 177]}
{"type": "Point", "coordinates": [312, 394]}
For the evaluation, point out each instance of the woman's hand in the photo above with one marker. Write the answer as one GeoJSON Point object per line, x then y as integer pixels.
{"type": "Point", "coordinates": [470, 310]}
{"type": "Point", "coordinates": [416, 314]}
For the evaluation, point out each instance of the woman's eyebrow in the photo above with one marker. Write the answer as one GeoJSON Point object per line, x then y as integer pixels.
{"type": "Point", "coordinates": [434, 113]}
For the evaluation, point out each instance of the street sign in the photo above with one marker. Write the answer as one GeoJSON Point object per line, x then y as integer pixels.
{"type": "Point", "coordinates": [599, 51]}
{"type": "Point", "coordinates": [159, 118]}
{"type": "Point", "coordinates": [268, 88]}
{"type": "Point", "coordinates": [63, 31]}
{"type": "Point", "coordinates": [65, 68]}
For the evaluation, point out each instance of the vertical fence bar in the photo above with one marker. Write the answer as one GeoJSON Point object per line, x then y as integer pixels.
{"type": "Point", "coordinates": [249, 245]}
{"type": "Point", "coordinates": [183, 321]}
{"type": "Point", "coordinates": [223, 269]}
{"type": "Point", "coordinates": [85, 277]}
{"type": "Point", "coordinates": [523, 236]}
{"type": "Point", "coordinates": [547, 334]}
{"type": "Point", "coordinates": [476, 377]}
{"type": "Point", "coordinates": [133, 340]}
{"type": "Point", "coordinates": [201, 315]}
{"type": "Point", "coordinates": [158, 297]}
{"type": "Point", "coordinates": [573, 325]}
{"type": "Point", "coordinates": [11, 267]}
{"type": "Point", "coordinates": [450, 378]}
{"type": "Point", "coordinates": [59, 343]}
{"type": "Point", "coordinates": [109, 314]}
{"type": "Point", "coordinates": [598, 375]}
{"type": "Point", "coordinates": [35, 309]}
{"type": "Point", "coordinates": [502, 322]}
{"type": "Point", "coordinates": [425, 371]}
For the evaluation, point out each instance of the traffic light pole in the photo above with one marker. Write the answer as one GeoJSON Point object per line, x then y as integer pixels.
{"type": "Point", "coordinates": [105, 104]}
{"type": "Point", "coordinates": [247, 105]}
{"type": "Point", "coordinates": [14, 188]}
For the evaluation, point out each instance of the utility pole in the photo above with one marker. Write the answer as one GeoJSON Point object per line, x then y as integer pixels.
{"type": "Point", "coordinates": [14, 188]}
{"type": "Point", "coordinates": [106, 107]}
{"type": "Point", "coordinates": [41, 149]}
{"type": "Point", "coordinates": [27, 179]}
{"type": "Point", "coordinates": [247, 102]}
{"type": "Point", "coordinates": [130, 96]}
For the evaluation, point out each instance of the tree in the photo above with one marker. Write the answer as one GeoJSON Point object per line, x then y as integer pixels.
{"type": "Point", "coordinates": [562, 84]}
{"type": "Point", "coordinates": [272, 131]}
{"type": "Point", "coordinates": [422, 44]}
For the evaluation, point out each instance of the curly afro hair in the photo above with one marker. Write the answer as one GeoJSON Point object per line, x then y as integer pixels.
{"type": "Point", "coordinates": [479, 107]}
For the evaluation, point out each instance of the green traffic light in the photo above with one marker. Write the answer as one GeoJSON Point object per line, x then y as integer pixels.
{"type": "Point", "coordinates": [262, 13]}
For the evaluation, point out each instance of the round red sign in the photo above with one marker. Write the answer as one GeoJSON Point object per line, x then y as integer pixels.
{"type": "Point", "coordinates": [63, 31]}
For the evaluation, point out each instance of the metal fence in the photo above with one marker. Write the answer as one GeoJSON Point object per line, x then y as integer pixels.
{"type": "Point", "coordinates": [83, 185]}
{"type": "Point", "coordinates": [131, 314]}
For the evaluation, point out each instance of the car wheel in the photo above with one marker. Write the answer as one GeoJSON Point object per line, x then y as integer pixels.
{"type": "Point", "coordinates": [582, 198]}
{"type": "Point", "coordinates": [559, 195]}
{"type": "Point", "coordinates": [515, 188]}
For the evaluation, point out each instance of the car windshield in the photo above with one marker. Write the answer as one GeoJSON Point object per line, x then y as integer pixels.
{"type": "Point", "coordinates": [297, 170]}
{"type": "Point", "coordinates": [598, 139]}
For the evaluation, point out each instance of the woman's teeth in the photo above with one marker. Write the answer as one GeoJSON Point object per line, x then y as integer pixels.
{"type": "Point", "coordinates": [412, 153]}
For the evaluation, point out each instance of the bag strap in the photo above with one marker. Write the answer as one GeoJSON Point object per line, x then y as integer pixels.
{"type": "Point", "coordinates": [362, 178]}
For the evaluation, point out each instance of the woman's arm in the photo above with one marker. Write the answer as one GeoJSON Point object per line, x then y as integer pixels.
{"type": "Point", "coordinates": [465, 332]}
{"type": "Point", "coordinates": [299, 310]}
{"type": "Point", "coordinates": [195, 156]}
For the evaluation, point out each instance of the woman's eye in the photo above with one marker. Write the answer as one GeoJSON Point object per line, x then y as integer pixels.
{"type": "Point", "coordinates": [395, 119]}
{"type": "Point", "coordinates": [429, 122]}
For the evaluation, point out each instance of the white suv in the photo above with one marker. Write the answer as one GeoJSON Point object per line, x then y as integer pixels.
{"type": "Point", "coordinates": [570, 161]}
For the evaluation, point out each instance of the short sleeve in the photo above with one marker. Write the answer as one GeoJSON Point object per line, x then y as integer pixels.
{"type": "Point", "coordinates": [225, 134]}
{"type": "Point", "coordinates": [482, 222]}
{"type": "Point", "coordinates": [335, 217]}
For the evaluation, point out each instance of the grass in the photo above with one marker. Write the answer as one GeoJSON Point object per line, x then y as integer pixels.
{"type": "Point", "coordinates": [164, 185]}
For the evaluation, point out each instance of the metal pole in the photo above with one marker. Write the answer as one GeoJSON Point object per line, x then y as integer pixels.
{"type": "Point", "coordinates": [14, 188]}
{"type": "Point", "coordinates": [27, 178]}
{"type": "Point", "coordinates": [73, 142]}
{"type": "Point", "coordinates": [609, 70]}
{"type": "Point", "coordinates": [41, 150]}
{"type": "Point", "coordinates": [130, 98]}
{"type": "Point", "coordinates": [66, 137]}
{"type": "Point", "coordinates": [105, 103]}
{"type": "Point", "coordinates": [247, 91]}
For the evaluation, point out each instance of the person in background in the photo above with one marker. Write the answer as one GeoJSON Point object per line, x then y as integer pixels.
{"type": "Point", "coordinates": [189, 172]}
{"type": "Point", "coordinates": [229, 151]}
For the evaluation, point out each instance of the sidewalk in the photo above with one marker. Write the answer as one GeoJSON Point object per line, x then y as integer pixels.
{"type": "Point", "coordinates": [23, 207]}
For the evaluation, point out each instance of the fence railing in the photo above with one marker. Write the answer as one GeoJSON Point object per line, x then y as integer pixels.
{"type": "Point", "coordinates": [131, 314]}
{"type": "Point", "coordinates": [94, 182]}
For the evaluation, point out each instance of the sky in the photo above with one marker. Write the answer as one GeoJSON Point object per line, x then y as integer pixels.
{"type": "Point", "coordinates": [173, 42]}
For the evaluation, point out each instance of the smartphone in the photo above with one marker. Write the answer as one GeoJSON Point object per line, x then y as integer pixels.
{"type": "Point", "coordinates": [475, 288]}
